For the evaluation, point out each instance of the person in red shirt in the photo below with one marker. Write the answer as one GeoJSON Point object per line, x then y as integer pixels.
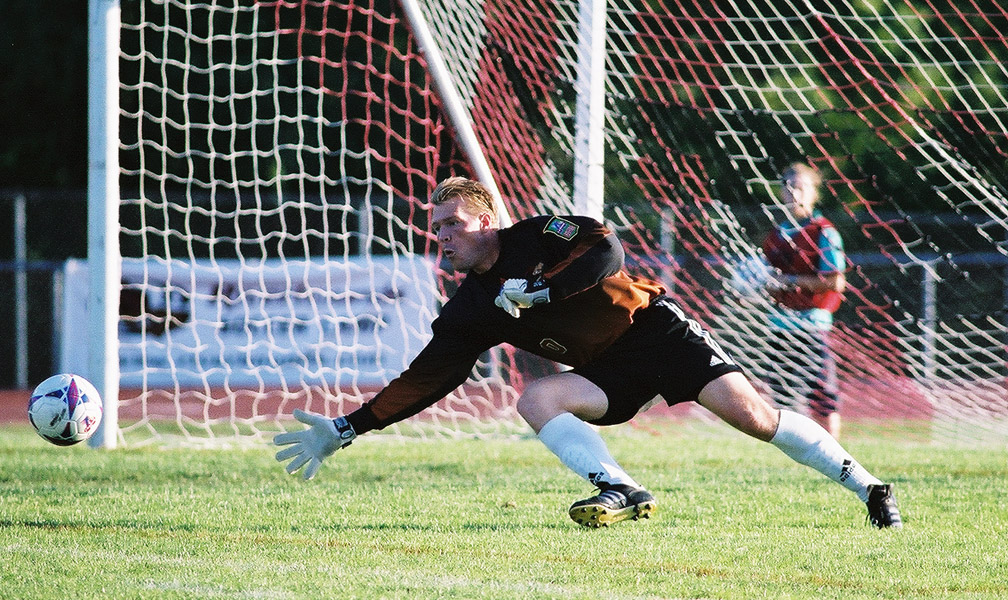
{"type": "Point", "coordinates": [807, 252]}
{"type": "Point", "coordinates": [556, 286]}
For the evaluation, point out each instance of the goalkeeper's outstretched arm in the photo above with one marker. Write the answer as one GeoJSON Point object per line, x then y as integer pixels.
{"type": "Point", "coordinates": [443, 365]}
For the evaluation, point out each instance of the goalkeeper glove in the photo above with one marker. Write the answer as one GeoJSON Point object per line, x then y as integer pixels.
{"type": "Point", "coordinates": [310, 446]}
{"type": "Point", "coordinates": [516, 295]}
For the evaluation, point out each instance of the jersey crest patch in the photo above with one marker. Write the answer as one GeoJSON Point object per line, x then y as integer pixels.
{"type": "Point", "coordinates": [561, 228]}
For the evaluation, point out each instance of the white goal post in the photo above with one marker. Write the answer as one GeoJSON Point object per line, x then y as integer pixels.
{"type": "Point", "coordinates": [103, 212]}
{"type": "Point", "coordinates": [106, 283]}
{"type": "Point", "coordinates": [259, 175]}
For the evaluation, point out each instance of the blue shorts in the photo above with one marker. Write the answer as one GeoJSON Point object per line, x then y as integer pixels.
{"type": "Point", "coordinates": [662, 353]}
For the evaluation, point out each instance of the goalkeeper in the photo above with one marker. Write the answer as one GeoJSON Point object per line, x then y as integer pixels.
{"type": "Point", "coordinates": [556, 287]}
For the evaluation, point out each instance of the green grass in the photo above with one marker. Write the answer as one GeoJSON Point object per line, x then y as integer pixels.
{"type": "Point", "coordinates": [487, 519]}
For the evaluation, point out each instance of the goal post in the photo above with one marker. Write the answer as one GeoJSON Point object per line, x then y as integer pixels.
{"type": "Point", "coordinates": [454, 108]}
{"type": "Point", "coordinates": [589, 114]}
{"type": "Point", "coordinates": [275, 160]}
{"type": "Point", "coordinates": [103, 213]}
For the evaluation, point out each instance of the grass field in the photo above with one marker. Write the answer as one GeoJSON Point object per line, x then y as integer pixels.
{"type": "Point", "coordinates": [487, 519]}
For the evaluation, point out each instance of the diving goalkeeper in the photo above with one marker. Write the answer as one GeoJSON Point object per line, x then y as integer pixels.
{"type": "Point", "coordinates": [555, 286]}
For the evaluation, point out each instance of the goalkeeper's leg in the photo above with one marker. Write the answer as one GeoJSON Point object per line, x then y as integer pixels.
{"type": "Point", "coordinates": [556, 407]}
{"type": "Point", "coordinates": [733, 399]}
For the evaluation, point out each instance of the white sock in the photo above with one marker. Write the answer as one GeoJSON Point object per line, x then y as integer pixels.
{"type": "Point", "coordinates": [581, 449]}
{"type": "Point", "coordinates": [808, 443]}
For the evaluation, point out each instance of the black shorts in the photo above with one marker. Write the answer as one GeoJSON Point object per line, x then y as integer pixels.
{"type": "Point", "coordinates": [662, 353]}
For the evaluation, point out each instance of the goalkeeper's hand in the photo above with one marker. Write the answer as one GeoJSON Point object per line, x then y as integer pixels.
{"type": "Point", "coordinates": [516, 295]}
{"type": "Point", "coordinates": [310, 446]}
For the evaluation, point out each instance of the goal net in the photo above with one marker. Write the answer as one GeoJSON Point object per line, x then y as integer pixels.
{"type": "Point", "coordinates": [276, 159]}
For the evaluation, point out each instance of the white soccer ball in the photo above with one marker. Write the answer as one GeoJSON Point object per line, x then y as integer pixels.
{"type": "Point", "coordinates": [65, 409]}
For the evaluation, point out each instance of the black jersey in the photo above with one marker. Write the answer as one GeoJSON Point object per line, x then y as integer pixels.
{"type": "Point", "coordinates": [592, 303]}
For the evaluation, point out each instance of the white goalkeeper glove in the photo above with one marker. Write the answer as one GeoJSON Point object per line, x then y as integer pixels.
{"type": "Point", "coordinates": [514, 296]}
{"type": "Point", "coordinates": [310, 446]}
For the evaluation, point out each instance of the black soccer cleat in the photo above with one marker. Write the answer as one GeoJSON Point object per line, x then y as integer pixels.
{"type": "Point", "coordinates": [882, 509]}
{"type": "Point", "coordinates": [614, 503]}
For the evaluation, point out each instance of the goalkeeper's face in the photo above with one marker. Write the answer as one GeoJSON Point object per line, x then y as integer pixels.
{"type": "Point", "coordinates": [468, 241]}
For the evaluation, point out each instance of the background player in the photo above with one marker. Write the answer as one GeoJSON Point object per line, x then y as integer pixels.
{"type": "Point", "coordinates": [807, 252]}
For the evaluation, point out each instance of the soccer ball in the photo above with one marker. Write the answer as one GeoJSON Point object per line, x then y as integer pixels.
{"type": "Point", "coordinates": [65, 409]}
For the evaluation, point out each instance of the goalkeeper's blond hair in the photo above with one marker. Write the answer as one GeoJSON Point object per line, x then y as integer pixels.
{"type": "Point", "coordinates": [476, 198]}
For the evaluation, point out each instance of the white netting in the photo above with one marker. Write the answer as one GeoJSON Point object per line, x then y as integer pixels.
{"type": "Point", "coordinates": [278, 147]}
